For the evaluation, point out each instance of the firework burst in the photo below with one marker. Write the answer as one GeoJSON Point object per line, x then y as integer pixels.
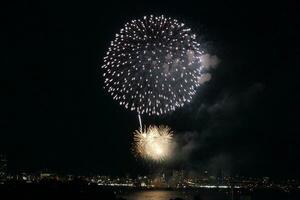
{"type": "Point", "coordinates": [153, 65]}
{"type": "Point", "coordinates": [154, 143]}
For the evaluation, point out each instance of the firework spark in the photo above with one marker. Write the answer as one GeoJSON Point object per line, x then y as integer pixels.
{"type": "Point", "coordinates": [154, 143]}
{"type": "Point", "coordinates": [153, 65]}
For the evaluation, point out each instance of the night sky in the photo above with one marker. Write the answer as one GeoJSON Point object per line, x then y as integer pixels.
{"type": "Point", "coordinates": [55, 115]}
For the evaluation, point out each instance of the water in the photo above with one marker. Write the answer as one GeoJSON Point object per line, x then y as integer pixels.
{"type": "Point", "coordinates": [167, 195]}
{"type": "Point", "coordinates": [156, 195]}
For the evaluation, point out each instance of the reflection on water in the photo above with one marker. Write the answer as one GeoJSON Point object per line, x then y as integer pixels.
{"type": "Point", "coordinates": [156, 195]}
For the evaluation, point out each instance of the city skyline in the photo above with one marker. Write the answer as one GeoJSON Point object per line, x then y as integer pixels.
{"type": "Point", "coordinates": [166, 179]}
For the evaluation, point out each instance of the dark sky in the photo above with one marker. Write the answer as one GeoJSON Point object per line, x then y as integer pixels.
{"type": "Point", "coordinates": [54, 113]}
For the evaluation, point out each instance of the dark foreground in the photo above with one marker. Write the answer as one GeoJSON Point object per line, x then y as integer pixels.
{"type": "Point", "coordinates": [80, 191]}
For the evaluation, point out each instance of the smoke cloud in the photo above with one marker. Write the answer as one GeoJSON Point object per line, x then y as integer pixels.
{"type": "Point", "coordinates": [204, 78]}
{"type": "Point", "coordinates": [203, 149]}
{"type": "Point", "coordinates": [209, 61]}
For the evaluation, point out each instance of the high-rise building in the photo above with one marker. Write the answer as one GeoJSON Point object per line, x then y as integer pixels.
{"type": "Point", "coordinates": [178, 178]}
{"type": "Point", "coordinates": [3, 167]}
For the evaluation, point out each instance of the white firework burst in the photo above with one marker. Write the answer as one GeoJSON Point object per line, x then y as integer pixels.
{"type": "Point", "coordinates": [153, 65]}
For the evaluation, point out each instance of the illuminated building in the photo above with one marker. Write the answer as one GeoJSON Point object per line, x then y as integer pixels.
{"type": "Point", "coordinates": [3, 167]}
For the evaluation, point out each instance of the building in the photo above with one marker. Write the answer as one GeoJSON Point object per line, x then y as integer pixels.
{"type": "Point", "coordinates": [177, 179]}
{"type": "Point", "coordinates": [3, 167]}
